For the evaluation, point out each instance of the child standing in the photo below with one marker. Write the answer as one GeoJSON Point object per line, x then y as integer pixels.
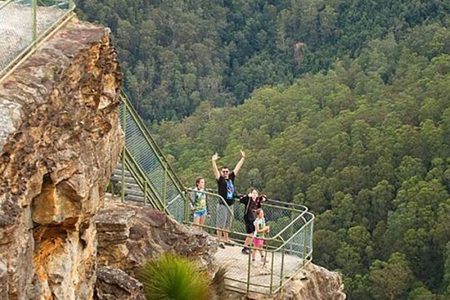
{"type": "Point", "coordinates": [260, 230]}
{"type": "Point", "coordinates": [199, 199]}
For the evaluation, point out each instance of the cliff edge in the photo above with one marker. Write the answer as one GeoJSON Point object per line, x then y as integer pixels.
{"type": "Point", "coordinates": [59, 141]}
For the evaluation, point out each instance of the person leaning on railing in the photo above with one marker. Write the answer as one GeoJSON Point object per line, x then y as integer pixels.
{"type": "Point", "coordinates": [252, 202]}
{"type": "Point", "coordinates": [226, 189]}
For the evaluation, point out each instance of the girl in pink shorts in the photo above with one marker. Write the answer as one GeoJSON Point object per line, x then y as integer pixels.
{"type": "Point", "coordinates": [260, 230]}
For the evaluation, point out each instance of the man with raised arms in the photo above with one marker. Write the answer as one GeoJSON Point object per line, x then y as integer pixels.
{"type": "Point", "coordinates": [226, 189]}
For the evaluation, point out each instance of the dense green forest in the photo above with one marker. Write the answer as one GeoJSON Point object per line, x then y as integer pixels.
{"type": "Point", "coordinates": [179, 53]}
{"type": "Point", "coordinates": [365, 145]}
{"type": "Point", "coordinates": [344, 106]}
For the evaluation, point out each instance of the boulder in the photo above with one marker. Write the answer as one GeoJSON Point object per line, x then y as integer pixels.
{"type": "Point", "coordinates": [130, 234]}
{"type": "Point", "coordinates": [114, 284]}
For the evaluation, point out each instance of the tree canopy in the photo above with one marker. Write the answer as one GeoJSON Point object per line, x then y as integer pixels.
{"type": "Point", "coordinates": [179, 53]}
{"type": "Point", "coordinates": [368, 151]}
{"type": "Point", "coordinates": [343, 106]}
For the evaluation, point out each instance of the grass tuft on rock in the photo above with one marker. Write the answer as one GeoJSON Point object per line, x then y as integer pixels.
{"type": "Point", "coordinates": [174, 277]}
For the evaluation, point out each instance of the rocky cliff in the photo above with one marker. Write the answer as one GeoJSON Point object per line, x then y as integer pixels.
{"type": "Point", "coordinates": [130, 234]}
{"type": "Point", "coordinates": [59, 141]}
{"type": "Point", "coordinates": [314, 282]}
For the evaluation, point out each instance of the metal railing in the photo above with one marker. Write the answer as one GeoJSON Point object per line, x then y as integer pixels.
{"type": "Point", "coordinates": [143, 158]}
{"type": "Point", "coordinates": [213, 200]}
{"type": "Point", "coordinates": [287, 250]}
{"type": "Point", "coordinates": [24, 24]}
{"type": "Point", "coordinates": [140, 178]}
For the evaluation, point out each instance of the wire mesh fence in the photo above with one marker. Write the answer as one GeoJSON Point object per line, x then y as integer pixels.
{"type": "Point", "coordinates": [214, 203]}
{"type": "Point", "coordinates": [143, 150]}
{"type": "Point", "coordinates": [286, 249]}
{"type": "Point", "coordinates": [23, 23]}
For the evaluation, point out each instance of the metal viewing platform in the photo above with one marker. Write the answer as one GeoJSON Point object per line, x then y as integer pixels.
{"type": "Point", "coordinates": [145, 175]}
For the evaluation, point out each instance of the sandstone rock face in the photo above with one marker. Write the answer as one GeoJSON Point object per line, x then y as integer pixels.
{"type": "Point", "coordinates": [314, 282]}
{"type": "Point", "coordinates": [59, 142]}
{"type": "Point", "coordinates": [130, 234]}
{"type": "Point", "coordinates": [113, 284]}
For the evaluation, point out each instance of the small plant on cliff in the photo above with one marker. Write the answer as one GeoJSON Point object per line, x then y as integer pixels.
{"type": "Point", "coordinates": [174, 277]}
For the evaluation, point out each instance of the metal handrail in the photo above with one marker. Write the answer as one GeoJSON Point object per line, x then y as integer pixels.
{"type": "Point", "coordinates": [299, 206]}
{"type": "Point", "coordinates": [300, 229]}
{"type": "Point", "coordinates": [36, 40]}
{"type": "Point", "coordinates": [6, 3]}
{"type": "Point", "coordinates": [276, 203]}
{"type": "Point", "coordinates": [300, 216]}
{"type": "Point", "coordinates": [151, 141]}
{"type": "Point", "coordinates": [206, 192]}
{"type": "Point", "coordinates": [140, 177]}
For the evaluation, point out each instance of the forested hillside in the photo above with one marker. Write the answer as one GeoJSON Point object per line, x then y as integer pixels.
{"type": "Point", "coordinates": [365, 145]}
{"type": "Point", "coordinates": [178, 53]}
{"type": "Point", "coordinates": [351, 118]}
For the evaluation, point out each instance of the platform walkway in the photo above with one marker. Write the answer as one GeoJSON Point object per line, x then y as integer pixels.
{"type": "Point", "coordinates": [261, 276]}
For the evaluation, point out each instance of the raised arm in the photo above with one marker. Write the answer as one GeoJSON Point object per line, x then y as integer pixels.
{"type": "Point", "coordinates": [214, 158]}
{"type": "Point", "coordinates": [240, 163]}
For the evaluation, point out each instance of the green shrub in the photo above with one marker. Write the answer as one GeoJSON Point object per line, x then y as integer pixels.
{"type": "Point", "coordinates": [174, 277]}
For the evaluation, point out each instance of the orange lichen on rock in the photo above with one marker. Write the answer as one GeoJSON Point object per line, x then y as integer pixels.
{"type": "Point", "coordinates": [44, 251]}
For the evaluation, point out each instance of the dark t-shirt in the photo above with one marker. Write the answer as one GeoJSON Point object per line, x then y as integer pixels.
{"type": "Point", "coordinates": [251, 206]}
{"type": "Point", "coordinates": [226, 188]}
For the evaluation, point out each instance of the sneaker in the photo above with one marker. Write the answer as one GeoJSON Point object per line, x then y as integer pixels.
{"type": "Point", "coordinates": [245, 251]}
{"type": "Point", "coordinates": [221, 245]}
